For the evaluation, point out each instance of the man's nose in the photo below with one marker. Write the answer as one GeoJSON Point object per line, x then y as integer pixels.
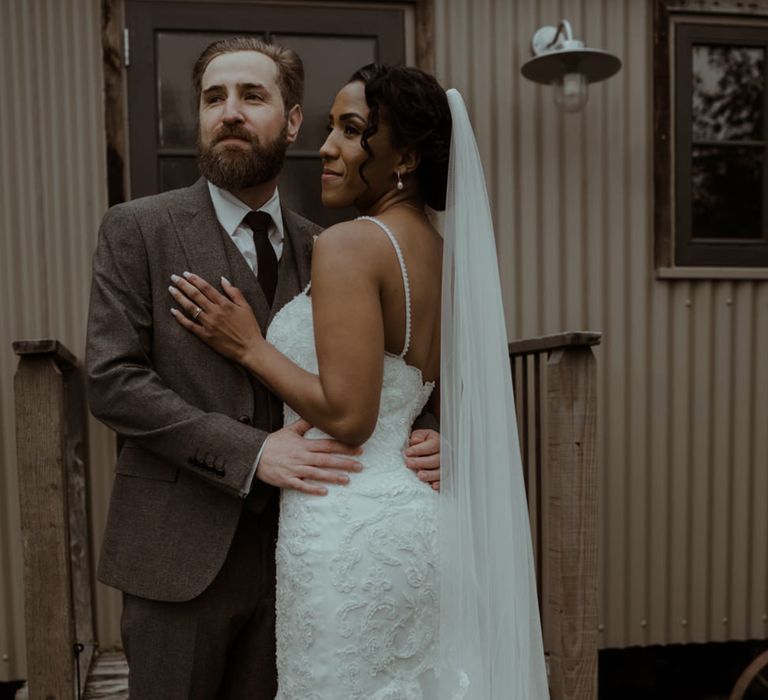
{"type": "Point", "coordinates": [232, 112]}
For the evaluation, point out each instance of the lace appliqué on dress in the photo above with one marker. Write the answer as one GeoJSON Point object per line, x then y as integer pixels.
{"type": "Point", "coordinates": [357, 570]}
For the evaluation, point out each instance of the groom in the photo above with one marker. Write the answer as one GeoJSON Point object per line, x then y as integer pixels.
{"type": "Point", "coordinates": [193, 517]}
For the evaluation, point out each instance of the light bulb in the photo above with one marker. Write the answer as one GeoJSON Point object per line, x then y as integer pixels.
{"type": "Point", "coordinates": [570, 93]}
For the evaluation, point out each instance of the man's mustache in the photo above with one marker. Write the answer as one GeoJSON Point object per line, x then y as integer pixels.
{"type": "Point", "coordinates": [235, 132]}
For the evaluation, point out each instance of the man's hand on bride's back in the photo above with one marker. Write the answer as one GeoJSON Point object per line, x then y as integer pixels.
{"type": "Point", "coordinates": [423, 456]}
{"type": "Point", "coordinates": [289, 460]}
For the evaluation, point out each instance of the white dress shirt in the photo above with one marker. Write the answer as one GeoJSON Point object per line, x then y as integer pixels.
{"type": "Point", "coordinates": [230, 212]}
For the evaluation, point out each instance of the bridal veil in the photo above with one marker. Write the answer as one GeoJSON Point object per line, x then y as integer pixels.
{"type": "Point", "coordinates": [490, 632]}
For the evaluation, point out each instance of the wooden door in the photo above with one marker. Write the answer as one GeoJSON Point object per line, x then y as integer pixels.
{"type": "Point", "coordinates": [165, 39]}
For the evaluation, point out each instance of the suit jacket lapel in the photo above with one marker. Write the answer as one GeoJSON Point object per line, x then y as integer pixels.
{"type": "Point", "coordinates": [299, 232]}
{"type": "Point", "coordinates": [197, 230]}
{"type": "Point", "coordinates": [204, 243]}
{"type": "Point", "coordinates": [297, 252]}
{"type": "Point", "coordinates": [244, 279]}
{"type": "Point", "coordinates": [208, 252]}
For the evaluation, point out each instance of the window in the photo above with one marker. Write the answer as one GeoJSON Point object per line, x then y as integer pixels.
{"type": "Point", "coordinates": [711, 136]}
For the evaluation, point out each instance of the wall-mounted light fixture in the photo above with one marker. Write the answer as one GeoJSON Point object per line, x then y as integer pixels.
{"type": "Point", "coordinates": [566, 64]}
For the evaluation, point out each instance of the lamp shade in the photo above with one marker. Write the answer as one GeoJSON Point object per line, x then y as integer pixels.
{"type": "Point", "coordinates": [550, 67]}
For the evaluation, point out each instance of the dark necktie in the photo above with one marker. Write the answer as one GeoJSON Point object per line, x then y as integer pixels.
{"type": "Point", "coordinates": [266, 260]}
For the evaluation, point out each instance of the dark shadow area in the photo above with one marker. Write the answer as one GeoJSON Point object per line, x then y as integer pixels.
{"type": "Point", "coordinates": [8, 690]}
{"type": "Point", "coordinates": [679, 672]}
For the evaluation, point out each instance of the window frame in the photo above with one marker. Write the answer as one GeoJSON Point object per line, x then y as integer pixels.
{"type": "Point", "coordinates": [674, 255]}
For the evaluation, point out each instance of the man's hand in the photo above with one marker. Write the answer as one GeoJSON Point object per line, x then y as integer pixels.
{"type": "Point", "coordinates": [423, 456]}
{"type": "Point", "coordinates": [289, 458]}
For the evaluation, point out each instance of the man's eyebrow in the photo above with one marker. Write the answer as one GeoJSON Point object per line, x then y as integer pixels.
{"type": "Point", "coordinates": [240, 86]}
{"type": "Point", "coordinates": [251, 86]}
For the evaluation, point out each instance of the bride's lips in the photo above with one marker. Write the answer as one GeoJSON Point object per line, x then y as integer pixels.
{"type": "Point", "coordinates": [329, 175]}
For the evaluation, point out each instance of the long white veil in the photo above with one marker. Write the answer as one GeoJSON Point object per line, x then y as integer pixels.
{"type": "Point", "coordinates": [490, 633]}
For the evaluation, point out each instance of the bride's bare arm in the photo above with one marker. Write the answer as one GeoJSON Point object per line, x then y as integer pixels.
{"type": "Point", "coordinates": [343, 399]}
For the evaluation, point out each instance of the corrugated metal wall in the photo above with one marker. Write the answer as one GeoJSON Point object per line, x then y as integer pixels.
{"type": "Point", "coordinates": [53, 193]}
{"type": "Point", "coordinates": [683, 401]}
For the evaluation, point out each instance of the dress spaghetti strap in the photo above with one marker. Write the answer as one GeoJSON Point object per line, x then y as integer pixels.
{"type": "Point", "coordinates": [406, 285]}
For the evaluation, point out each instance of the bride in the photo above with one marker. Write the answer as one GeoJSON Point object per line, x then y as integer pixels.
{"type": "Point", "coordinates": [387, 590]}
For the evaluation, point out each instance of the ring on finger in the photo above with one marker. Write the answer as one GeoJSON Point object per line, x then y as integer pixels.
{"type": "Point", "coordinates": [198, 311]}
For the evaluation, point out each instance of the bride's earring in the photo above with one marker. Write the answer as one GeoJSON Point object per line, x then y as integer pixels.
{"type": "Point", "coordinates": [399, 182]}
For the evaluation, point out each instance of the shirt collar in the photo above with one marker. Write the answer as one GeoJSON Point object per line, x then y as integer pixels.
{"type": "Point", "coordinates": [230, 211]}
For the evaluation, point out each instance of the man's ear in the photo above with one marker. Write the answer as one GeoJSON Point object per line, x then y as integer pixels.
{"type": "Point", "coordinates": [294, 120]}
{"type": "Point", "coordinates": [408, 162]}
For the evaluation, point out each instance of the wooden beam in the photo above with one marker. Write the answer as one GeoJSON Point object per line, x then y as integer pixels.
{"type": "Point", "coordinates": [547, 343]}
{"type": "Point", "coordinates": [78, 500]}
{"type": "Point", "coordinates": [115, 118]}
{"type": "Point", "coordinates": [48, 612]}
{"type": "Point", "coordinates": [570, 584]}
{"type": "Point", "coordinates": [425, 35]}
{"type": "Point", "coordinates": [54, 349]}
{"type": "Point", "coordinates": [662, 138]}
{"type": "Point", "coordinates": [51, 444]}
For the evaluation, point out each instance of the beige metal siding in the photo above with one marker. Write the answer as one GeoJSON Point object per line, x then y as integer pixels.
{"type": "Point", "coordinates": [683, 401]}
{"type": "Point", "coordinates": [53, 194]}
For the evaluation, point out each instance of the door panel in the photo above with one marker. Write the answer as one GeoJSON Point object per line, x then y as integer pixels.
{"type": "Point", "coordinates": [328, 63]}
{"type": "Point", "coordinates": [177, 103]}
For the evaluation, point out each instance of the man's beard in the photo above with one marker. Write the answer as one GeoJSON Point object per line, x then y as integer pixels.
{"type": "Point", "coordinates": [236, 168]}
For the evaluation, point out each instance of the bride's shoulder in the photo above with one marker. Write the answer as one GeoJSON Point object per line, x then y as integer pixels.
{"type": "Point", "coordinates": [349, 238]}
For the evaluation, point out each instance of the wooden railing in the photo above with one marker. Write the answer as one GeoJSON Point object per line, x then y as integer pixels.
{"type": "Point", "coordinates": [51, 450]}
{"type": "Point", "coordinates": [556, 402]}
{"type": "Point", "coordinates": [555, 394]}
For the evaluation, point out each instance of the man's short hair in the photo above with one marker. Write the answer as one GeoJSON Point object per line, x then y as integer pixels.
{"type": "Point", "coordinates": [290, 69]}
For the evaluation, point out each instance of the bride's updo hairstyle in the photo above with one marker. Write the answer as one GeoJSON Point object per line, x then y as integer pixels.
{"type": "Point", "coordinates": [416, 109]}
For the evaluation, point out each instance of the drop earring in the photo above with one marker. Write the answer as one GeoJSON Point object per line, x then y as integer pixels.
{"type": "Point", "coordinates": [399, 182]}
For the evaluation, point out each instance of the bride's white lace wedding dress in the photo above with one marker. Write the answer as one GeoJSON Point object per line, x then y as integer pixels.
{"type": "Point", "coordinates": [357, 569]}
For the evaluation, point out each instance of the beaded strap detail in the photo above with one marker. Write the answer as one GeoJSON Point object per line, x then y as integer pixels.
{"type": "Point", "coordinates": [406, 285]}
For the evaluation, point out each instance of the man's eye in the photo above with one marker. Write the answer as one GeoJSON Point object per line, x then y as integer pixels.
{"type": "Point", "coordinates": [252, 96]}
{"type": "Point", "coordinates": [211, 99]}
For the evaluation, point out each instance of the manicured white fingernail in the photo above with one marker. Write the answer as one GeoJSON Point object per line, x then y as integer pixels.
{"type": "Point", "coordinates": [174, 312]}
{"type": "Point", "coordinates": [175, 278]}
{"type": "Point", "coordinates": [172, 289]}
{"type": "Point", "coordinates": [187, 274]}
{"type": "Point", "coordinates": [226, 281]}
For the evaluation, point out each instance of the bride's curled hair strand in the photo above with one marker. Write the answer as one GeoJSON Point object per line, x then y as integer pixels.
{"type": "Point", "coordinates": [416, 109]}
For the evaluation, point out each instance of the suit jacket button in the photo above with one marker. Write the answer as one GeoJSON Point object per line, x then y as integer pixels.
{"type": "Point", "coordinates": [245, 419]}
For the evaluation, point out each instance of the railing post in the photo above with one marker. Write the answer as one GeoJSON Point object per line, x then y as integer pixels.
{"type": "Point", "coordinates": [570, 586]}
{"type": "Point", "coordinates": [52, 474]}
